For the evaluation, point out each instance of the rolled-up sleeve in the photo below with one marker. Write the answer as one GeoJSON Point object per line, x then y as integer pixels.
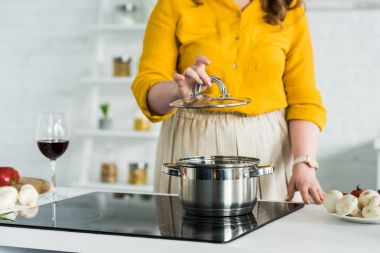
{"type": "Point", "coordinates": [159, 57]}
{"type": "Point", "coordinates": [304, 99]}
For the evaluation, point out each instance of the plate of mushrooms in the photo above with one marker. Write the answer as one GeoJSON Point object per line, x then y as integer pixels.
{"type": "Point", "coordinates": [359, 206]}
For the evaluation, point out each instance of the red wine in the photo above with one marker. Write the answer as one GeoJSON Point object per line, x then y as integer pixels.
{"type": "Point", "coordinates": [52, 149]}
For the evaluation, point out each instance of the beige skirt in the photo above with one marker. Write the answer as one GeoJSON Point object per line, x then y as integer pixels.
{"type": "Point", "coordinates": [198, 132]}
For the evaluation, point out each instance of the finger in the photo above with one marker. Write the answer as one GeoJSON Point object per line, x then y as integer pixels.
{"type": "Point", "coordinates": [201, 59]}
{"type": "Point", "coordinates": [291, 190]}
{"type": "Point", "coordinates": [305, 194]}
{"type": "Point", "coordinates": [203, 75]}
{"type": "Point", "coordinates": [315, 195]}
{"type": "Point", "coordinates": [321, 193]}
{"type": "Point", "coordinates": [179, 79]}
{"type": "Point", "coordinates": [190, 73]}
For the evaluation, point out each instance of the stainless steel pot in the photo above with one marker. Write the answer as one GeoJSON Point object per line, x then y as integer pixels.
{"type": "Point", "coordinates": [217, 185]}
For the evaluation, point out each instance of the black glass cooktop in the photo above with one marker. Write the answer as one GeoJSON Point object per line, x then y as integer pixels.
{"type": "Point", "coordinates": [154, 216]}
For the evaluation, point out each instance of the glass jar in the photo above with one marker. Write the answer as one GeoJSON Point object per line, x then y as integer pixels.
{"type": "Point", "coordinates": [108, 173]}
{"type": "Point", "coordinates": [141, 123]}
{"type": "Point", "coordinates": [138, 173]}
{"type": "Point", "coordinates": [122, 66]}
{"type": "Point", "coordinates": [126, 14]}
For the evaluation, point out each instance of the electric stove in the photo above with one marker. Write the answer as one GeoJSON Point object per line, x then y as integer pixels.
{"type": "Point", "coordinates": [143, 215]}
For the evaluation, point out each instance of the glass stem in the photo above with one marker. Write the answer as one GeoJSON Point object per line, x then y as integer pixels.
{"type": "Point", "coordinates": [52, 182]}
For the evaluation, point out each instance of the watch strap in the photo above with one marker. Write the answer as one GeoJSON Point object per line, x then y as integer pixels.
{"type": "Point", "coordinates": [308, 160]}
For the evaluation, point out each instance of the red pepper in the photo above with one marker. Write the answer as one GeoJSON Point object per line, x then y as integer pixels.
{"type": "Point", "coordinates": [8, 176]}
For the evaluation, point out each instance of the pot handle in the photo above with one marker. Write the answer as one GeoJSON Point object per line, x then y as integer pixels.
{"type": "Point", "coordinates": [171, 169]}
{"type": "Point", "coordinates": [262, 170]}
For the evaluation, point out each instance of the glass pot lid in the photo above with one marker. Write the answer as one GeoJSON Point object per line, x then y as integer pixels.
{"type": "Point", "coordinates": [198, 100]}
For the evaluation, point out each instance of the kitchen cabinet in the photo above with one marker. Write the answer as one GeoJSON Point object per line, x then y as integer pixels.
{"type": "Point", "coordinates": [110, 39]}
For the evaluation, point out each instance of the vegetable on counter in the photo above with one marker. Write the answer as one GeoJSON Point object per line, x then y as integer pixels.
{"type": "Point", "coordinates": [365, 197]}
{"type": "Point", "coordinates": [8, 197]}
{"type": "Point", "coordinates": [330, 200]}
{"type": "Point", "coordinates": [11, 216]}
{"type": "Point", "coordinates": [357, 191]}
{"type": "Point", "coordinates": [359, 203]}
{"type": "Point", "coordinates": [28, 195]}
{"type": "Point", "coordinates": [347, 205]}
{"type": "Point", "coordinates": [8, 176]}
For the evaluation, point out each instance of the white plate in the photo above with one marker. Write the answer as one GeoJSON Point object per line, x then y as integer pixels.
{"type": "Point", "coordinates": [355, 219]}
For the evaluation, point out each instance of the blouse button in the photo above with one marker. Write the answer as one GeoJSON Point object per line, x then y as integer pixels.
{"type": "Point", "coordinates": [234, 65]}
{"type": "Point", "coordinates": [237, 37]}
{"type": "Point", "coordinates": [238, 14]}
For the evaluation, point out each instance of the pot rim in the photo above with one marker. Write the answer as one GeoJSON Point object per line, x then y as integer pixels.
{"type": "Point", "coordinates": [218, 162]}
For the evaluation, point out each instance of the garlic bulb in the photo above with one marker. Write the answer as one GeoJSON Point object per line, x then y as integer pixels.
{"type": "Point", "coordinates": [28, 195]}
{"type": "Point", "coordinates": [8, 197]}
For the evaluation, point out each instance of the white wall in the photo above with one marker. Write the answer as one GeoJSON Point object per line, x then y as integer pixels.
{"type": "Point", "coordinates": [43, 53]}
{"type": "Point", "coordinates": [45, 50]}
{"type": "Point", "coordinates": [347, 52]}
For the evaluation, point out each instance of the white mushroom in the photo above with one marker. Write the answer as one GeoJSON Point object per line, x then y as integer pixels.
{"type": "Point", "coordinates": [330, 200]}
{"type": "Point", "coordinates": [356, 212]}
{"type": "Point", "coordinates": [347, 205]}
{"type": "Point", "coordinates": [374, 201]}
{"type": "Point", "coordinates": [8, 197]}
{"type": "Point", "coordinates": [371, 211]}
{"type": "Point", "coordinates": [28, 195]}
{"type": "Point", "coordinates": [365, 197]}
{"type": "Point", "coordinates": [9, 189]}
{"type": "Point", "coordinates": [28, 213]}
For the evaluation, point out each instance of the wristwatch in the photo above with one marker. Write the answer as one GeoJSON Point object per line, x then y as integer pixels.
{"type": "Point", "coordinates": [308, 160]}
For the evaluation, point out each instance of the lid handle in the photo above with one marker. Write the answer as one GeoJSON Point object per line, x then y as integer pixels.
{"type": "Point", "coordinates": [222, 87]}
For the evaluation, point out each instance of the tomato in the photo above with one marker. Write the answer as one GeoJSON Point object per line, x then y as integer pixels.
{"type": "Point", "coordinates": [8, 176]}
{"type": "Point", "coordinates": [357, 191]}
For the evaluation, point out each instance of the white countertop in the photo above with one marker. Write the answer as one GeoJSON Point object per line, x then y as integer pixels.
{"type": "Point", "coordinates": [307, 230]}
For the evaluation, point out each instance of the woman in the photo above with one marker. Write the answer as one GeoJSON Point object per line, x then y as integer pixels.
{"type": "Point", "coordinates": [262, 50]}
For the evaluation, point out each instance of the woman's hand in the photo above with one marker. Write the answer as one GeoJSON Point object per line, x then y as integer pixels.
{"type": "Point", "coordinates": [304, 179]}
{"type": "Point", "coordinates": [192, 76]}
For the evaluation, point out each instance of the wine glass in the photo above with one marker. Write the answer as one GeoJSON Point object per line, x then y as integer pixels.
{"type": "Point", "coordinates": [52, 135]}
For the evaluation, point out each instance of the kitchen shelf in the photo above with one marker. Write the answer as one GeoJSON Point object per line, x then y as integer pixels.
{"type": "Point", "coordinates": [117, 27]}
{"type": "Point", "coordinates": [116, 187]}
{"type": "Point", "coordinates": [120, 134]}
{"type": "Point", "coordinates": [108, 80]}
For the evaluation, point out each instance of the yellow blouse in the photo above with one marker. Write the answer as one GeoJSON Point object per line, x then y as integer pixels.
{"type": "Point", "coordinates": [272, 65]}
